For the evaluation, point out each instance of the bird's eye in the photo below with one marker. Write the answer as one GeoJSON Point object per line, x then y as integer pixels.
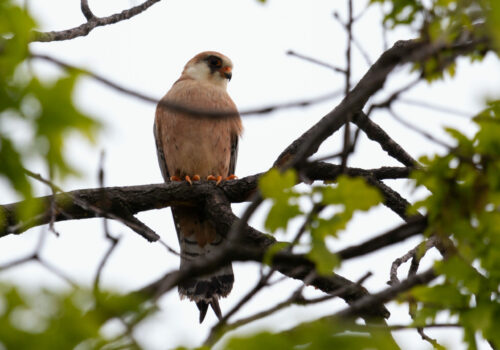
{"type": "Point", "coordinates": [215, 61]}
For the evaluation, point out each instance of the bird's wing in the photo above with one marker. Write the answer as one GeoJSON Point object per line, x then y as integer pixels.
{"type": "Point", "coordinates": [159, 151]}
{"type": "Point", "coordinates": [234, 153]}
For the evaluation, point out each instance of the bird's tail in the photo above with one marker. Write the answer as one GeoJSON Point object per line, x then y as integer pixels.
{"type": "Point", "coordinates": [199, 240]}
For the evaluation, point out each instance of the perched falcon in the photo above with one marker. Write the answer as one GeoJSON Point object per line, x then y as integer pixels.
{"type": "Point", "coordinates": [191, 147]}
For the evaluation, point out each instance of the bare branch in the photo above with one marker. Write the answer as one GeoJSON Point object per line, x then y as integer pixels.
{"type": "Point", "coordinates": [435, 107]}
{"type": "Point", "coordinates": [412, 227]}
{"type": "Point", "coordinates": [359, 307]}
{"type": "Point", "coordinates": [411, 254]}
{"type": "Point", "coordinates": [92, 22]}
{"type": "Point", "coordinates": [124, 202]}
{"type": "Point", "coordinates": [316, 61]}
{"type": "Point", "coordinates": [86, 10]}
{"type": "Point", "coordinates": [377, 134]}
{"type": "Point", "coordinates": [418, 130]}
{"type": "Point", "coordinates": [402, 52]}
{"type": "Point", "coordinates": [347, 127]}
{"type": "Point", "coordinates": [126, 218]}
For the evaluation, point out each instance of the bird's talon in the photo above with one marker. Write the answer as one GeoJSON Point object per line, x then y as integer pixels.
{"type": "Point", "coordinates": [175, 178]}
{"type": "Point", "coordinates": [196, 177]}
{"type": "Point", "coordinates": [231, 177]}
{"type": "Point", "coordinates": [188, 179]}
{"type": "Point", "coordinates": [217, 179]}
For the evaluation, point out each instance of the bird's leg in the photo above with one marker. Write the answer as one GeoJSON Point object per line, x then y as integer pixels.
{"type": "Point", "coordinates": [231, 177]}
{"type": "Point", "coordinates": [218, 179]}
{"type": "Point", "coordinates": [175, 178]}
{"type": "Point", "coordinates": [190, 180]}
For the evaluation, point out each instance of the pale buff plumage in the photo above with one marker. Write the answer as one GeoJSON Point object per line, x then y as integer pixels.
{"type": "Point", "coordinates": [199, 145]}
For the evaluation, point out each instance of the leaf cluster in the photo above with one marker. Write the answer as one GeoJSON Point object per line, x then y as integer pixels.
{"type": "Point", "coordinates": [333, 206]}
{"type": "Point", "coordinates": [464, 211]}
{"type": "Point", "coordinates": [67, 320]}
{"type": "Point", "coordinates": [36, 116]}
{"type": "Point", "coordinates": [444, 22]}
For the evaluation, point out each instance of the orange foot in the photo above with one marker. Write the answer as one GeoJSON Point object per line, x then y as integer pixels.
{"type": "Point", "coordinates": [218, 179]}
{"type": "Point", "coordinates": [187, 178]}
{"type": "Point", "coordinates": [190, 180]}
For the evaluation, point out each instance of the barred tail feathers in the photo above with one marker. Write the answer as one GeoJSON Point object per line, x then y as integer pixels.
{"type": "Point", "coordinates": [199, 240]}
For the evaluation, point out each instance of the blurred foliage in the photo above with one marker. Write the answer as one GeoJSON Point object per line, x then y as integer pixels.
{"type": "Point", "coordinates": [317, 335]}
{"type": "Point", "coordinates": [42, 111]}
{"type": "Point", "coordinates": [75, 319]}
{"type": "Point", "coordinates": [464, 211]}
{"type": "Point", "coordinates": [334, 206]}
{"type": "Point", "coordinates": [446, 21]}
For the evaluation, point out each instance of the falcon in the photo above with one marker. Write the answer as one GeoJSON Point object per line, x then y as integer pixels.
{"type": "Point", "coordinates": [194, 146]}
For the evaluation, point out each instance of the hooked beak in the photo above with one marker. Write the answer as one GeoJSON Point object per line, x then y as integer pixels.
{"type": "Point", "coordinates": [226, 72]}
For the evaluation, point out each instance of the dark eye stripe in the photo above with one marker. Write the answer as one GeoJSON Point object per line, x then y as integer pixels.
{"type": "Point", "coordinates": [214, 61]}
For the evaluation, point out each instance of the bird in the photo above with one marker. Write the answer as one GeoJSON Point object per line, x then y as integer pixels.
{"type": "Point", "coordinates": [192, 145]}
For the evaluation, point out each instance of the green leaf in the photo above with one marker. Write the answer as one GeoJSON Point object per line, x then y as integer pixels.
{"type": "Point", "coordinates": [277, 185]}
{"type": "Point", "coordinates": [273, 250]}
{"type": "Point", "coordinates": [325, 261]}
{"type": "Point", "coordinates": [46, 319]}
{"type": "Point", "coordinates": [280, 214]}
{"type": "Point", "coordinates": [352, 193]}
{"type": "Point", "coordinates": [316, 335]}
{"type": "Point", "coordinates": [58, 120]}
{"type": "Point", "coordinates": [444, 295]}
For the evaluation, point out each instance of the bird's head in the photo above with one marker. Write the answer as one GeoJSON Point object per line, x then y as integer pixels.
{"type": "Point", "coordinates": [210, 66]}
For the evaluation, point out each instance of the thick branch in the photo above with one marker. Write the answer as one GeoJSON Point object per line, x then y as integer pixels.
{"type": "Point", "coordinates": [377, 134]}
{"type": "Point", "coordinates": [127, 201]}
{"type": "Point", "coordinates": [414, 226]}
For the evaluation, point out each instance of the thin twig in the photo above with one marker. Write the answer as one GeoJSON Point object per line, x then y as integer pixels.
{"type": "Point", "coordinates": [86, 10]}
{"type": "Point", "coordinates": [435, 107]}
{"type": "Point", "coordinates": [56, 271]}
{"type": "Point", "coordinates": [130, 221]}
{"type": "Point", "coordinates": [316, 61]}
{"type": "Point", "coordinates": [245, 299]}
{"type": "Point", "coordinates": [421, 248]}
{"type": "Point", "coordinates": [17, 262]}
{"type": "Point", "coordinates": [347, 125]}
{"type": "Point", "coordinates": [189, 109]}
{"type": "Point", "coordinates": [393, 97]}
{"type": "Point", "coordinates": [113, 240]}
{"type": "Point", "coordinates": [169, 248]}
{"type": "Point", "coordinates": [370, 301]}
{"type": "Point", "coordinates": [418, 130]}
{"type": "Point", "coordinates": [362, 51]}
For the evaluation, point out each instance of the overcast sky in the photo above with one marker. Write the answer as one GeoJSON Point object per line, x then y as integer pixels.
{"type": "Point", "coordinates": [147, 53]}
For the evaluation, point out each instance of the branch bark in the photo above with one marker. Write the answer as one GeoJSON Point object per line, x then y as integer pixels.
{"type": "Point", "coordinates": [92, 22]}
{"type": "Point", "coordinates": [126, 201]}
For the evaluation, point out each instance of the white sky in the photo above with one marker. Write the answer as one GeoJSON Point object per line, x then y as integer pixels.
{"type": "Point", "coordinates": [147, 53]}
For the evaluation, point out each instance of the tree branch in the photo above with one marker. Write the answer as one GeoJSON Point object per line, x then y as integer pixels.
{"type": "Point", "coordinates": [402, 52]}
{"type": "Point", "coordinates": [92, 22]}
{"type": "Point", "coordinates": [126, 201]}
